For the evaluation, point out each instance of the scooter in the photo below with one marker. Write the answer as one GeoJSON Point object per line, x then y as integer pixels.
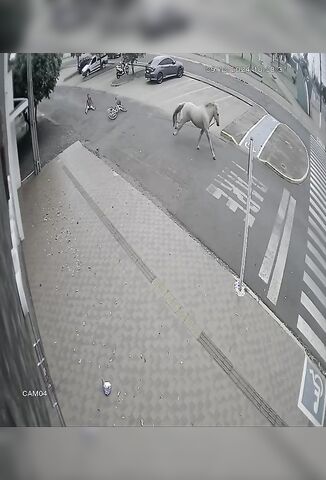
{"type": "Point", "coordinates": [122, 69]}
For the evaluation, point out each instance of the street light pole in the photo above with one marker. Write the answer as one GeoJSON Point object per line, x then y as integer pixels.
{"type": "Point", "coordinates": [32, 119]}
{"type": "Point", "coordinates": [320, 91]}
{"type": "Point", "coordinates": [239, 288]}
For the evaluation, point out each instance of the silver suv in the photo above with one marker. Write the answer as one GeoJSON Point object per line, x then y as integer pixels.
{"type": "Point", "coordinates": [162, 67]}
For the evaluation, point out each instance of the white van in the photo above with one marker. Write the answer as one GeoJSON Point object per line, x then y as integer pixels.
{"type": "Point", "coordinates": [95, 64]}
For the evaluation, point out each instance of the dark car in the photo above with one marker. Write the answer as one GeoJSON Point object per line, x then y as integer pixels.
{"type": "Point", "coordinates": [83, 61]}
{"type": "Point", "coordinates": [163, 67]}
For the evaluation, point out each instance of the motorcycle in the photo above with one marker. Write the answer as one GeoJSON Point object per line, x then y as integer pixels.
{"type": "Point", "coordinates": [122, 69]}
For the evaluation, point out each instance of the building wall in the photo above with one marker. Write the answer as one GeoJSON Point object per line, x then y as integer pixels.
{"type": "Point", "coordinates": [19, 369]}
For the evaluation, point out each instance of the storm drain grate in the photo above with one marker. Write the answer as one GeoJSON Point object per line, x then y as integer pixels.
{"type": "Point", "coordinates": [240, 382]}
{"type": "Point", "coordinates": [114, 231]}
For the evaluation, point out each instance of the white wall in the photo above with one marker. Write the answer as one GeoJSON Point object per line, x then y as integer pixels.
{"type": "Point", "coordinates": [14, 170]}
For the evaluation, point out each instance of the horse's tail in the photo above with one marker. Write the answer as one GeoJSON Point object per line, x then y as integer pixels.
{"type": "Point", "coordinates": [176, 111]}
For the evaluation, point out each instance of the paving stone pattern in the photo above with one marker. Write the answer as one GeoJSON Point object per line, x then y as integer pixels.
{"type": "Point", "coordinates": [100, 317]}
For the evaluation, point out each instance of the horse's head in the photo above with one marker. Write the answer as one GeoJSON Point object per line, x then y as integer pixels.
{"type": "Point", "coordinates": [213, 112]}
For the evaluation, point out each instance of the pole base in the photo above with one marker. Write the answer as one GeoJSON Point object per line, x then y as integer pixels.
{"type": "Point", "coordinates": [239, 290]}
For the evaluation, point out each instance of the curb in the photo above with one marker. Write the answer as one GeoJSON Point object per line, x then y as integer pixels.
{"type": "Point", "coordinates": [229, 137]}
{"type": "Point", "coordinates": [71, 76]}
{"type": "Point", "coordinates": [289, 179]}
{"type": "Point", "coordinates": [220, 87]}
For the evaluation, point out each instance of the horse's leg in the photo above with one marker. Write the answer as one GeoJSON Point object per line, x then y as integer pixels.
{"type": "Point", "coordinates": [210, 143]}
{"type": "Point", "coordinates": [179, 126]}
{"type": "Point", "coordinates": [200, 135]}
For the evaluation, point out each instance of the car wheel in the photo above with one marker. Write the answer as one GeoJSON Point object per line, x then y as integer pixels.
{"type": "Point", "coordinates": [180, 72]}
{"type": "Point", "coordinates": [87, 73]}
{"type": "Point", "coordinates": [159, 78]}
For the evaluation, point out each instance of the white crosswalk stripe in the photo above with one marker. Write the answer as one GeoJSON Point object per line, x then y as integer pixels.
{"type": "Point", "coordinates": [274, 262]}
{"type": "Point", "coordinates": [232, 187]}
{"type": "Point", "coordinates": [312, 317]}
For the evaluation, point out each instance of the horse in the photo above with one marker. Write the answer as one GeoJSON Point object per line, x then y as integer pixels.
{"type": "Point", "coordinates": [200, 116]}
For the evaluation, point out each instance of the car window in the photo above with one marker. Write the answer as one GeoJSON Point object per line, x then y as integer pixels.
{"type": "Point", "coordinates": [94, 60]}
{"type": "Point", "coordinates": [165, 61]}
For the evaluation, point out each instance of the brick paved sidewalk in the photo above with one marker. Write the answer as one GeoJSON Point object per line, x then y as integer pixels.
{"type": "Point", "coordinates": [123, 293]}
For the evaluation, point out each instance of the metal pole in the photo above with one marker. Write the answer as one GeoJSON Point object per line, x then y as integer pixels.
{"type": "Point", "coordinates": [239, 288]}
{"type": "Point", "coordinates": [31, 113]}
{"type": "Point", "coordinates": [320, 86]}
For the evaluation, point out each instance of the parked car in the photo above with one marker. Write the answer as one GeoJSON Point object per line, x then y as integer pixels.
{"type": "Point", "coordinates": [84, 61]}
{"type": "Point", "coordinates": [96, 63]}
{"type": "Point", "coordinates": [163, 67]}
{"type": "Point", "coordinates": [114, 55]}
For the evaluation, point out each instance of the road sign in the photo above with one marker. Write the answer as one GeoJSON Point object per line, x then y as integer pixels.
{"type": "Point", "coordinates": [312, 397]}
{"type": "Point", "coordinates": [247, 145]}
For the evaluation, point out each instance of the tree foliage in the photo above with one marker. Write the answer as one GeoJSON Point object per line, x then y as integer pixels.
{"type": "Point", "coordinates": [46, 71]}
{"type": "Point", "coordinates": [131, 58]}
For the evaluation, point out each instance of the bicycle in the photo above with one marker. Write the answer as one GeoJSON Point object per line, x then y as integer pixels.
{"type": "Point", "coordinates": [114, 111]}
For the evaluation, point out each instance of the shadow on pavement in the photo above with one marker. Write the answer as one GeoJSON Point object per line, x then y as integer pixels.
{"type": "Point", "coordinates": [52, 138]}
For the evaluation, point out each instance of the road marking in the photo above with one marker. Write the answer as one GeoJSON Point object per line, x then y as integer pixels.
{"type": "Point", "coordinates": [313, 310]}
{"type": "Point", "coordinates": [244, 185]}
{"type": "Point", "coordinates": [318, 230]}
{"type": "Point", "coordinates": [313, 267]}
{"type": "Point", "coordinates": [318, 198]}
{"type": "Point", "coordinates": [196, 90]}
{"type": "Point", "coordinates": [317, 241]}
{"type": "Point", "coordinates": [242, 197]}
{"type": "Point", "coordinates": [256, 182]}
{"type": "Point", "coordinates": [229, 188]}
{"type": "Point", "coordinates": [318, 164]}
{"type": "Point", "coordinates": [315, 290]}
{"type": "Point", "coordinates": [267, 265]}
{"type": "Point", "coordinates": [318, 210]}
{"type": "Point", "coordinates": [223, 98]}
{"type": "Point", "coordinates": [317, 218]}
{"type": "Point", "coordinates": [167, 86]}
{"type": "Point", "coordinates": [311, 337]}
{"type": "Point", "coordinates": [318, 178]}
{"type": "Point", "coordinates": [244, 138]}
{"type": "Point", "coordinates": [316, 170]}
{"type": "Point", "coordinates": [317, 190]}
{"type": "Point", "coordinates": [317, 255]}
{"type": "Point", "coordinates": [268, 137]}
{"type": "Point", "coordinates": [317, 161]}
{"type": "Point", "coordinates": [231, 204]}
{"type": "Point", "coordinates": [277, 277]}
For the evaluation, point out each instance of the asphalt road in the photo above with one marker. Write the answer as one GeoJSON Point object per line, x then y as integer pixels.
{"type": "Point", "coordinates": [207, 197]}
